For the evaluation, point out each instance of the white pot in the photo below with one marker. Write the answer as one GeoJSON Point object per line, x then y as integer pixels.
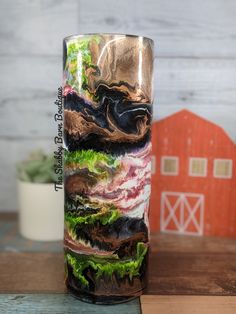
{"type": "Point", "coordinates": [41, 211]}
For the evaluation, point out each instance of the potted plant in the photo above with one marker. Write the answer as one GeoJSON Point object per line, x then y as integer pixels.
{"type": "Point", "coordinates": [40, 206]}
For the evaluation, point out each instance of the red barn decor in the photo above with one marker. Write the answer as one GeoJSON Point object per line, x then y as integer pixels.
{"type": "Point", "coordinates": [194, 177]}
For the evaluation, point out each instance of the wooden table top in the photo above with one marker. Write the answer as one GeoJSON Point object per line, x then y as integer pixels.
{"type": "Point", "coordinates": [194, 269]}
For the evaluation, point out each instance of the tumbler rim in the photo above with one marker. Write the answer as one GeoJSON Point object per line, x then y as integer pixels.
{"type": "Point", "coordinates": [74, 36]}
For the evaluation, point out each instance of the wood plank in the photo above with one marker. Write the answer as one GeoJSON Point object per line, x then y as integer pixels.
{"type": "Point", "coordinates": [31, 273]}
{"type": "Point", "coordinates": [184, 28]}
{"type": "Point", "coordinates": [36, 27]}
{"type": "Point", "coordinates": [28, 94]}
{"type": "Point", "coordinates": [187, 304]}
{"type": "Point", "coordinates": [179, 29]}
{"type": "Point", "coordinates": [192, 265]}
{"type": "Point", "coordinates": [161, 242]}
{"type": "Point", "coordinates": [35, 77]}
{"type": "Point", "coordinates": [195, 81]}
{"type": "Point", "coordinates": [192, 273]}
{"type": "Point", "coordinates": [12, 241]}
{"type": "Point", "coordinates": [60, 304]}
{"type": "Point", "coordinates": [16, 110]}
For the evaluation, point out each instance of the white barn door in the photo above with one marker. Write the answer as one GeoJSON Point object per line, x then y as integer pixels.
{"type": "Point", "coordinates": [182, 213]}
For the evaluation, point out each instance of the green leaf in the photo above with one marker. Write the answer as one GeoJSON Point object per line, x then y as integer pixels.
{"type": "Point", "coordinates": [38, 168]}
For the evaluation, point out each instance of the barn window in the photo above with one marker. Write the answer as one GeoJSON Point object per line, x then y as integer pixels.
{"type": "Point", "coordinates": [153, 164]}
{"type": "Point", "coordinates": [169, 165]}
{"type": "Point", "coordinates": [223, 168]}
{"type": "Point", "coordinates": [197, 167]}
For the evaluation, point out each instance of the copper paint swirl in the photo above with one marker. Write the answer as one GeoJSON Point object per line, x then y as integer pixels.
{"type": "Point", "coordinates": [107, 83]}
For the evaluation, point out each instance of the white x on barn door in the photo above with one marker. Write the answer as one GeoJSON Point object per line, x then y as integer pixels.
{"type": "Point", "coordinates": [182, 213]}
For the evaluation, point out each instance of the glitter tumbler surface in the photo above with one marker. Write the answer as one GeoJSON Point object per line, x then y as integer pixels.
{"type": "Point", "coordinates": [107, 88]}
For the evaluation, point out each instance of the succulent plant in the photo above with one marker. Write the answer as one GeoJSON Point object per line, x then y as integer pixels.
{"type": "Point", "coordinates": [37, 168]}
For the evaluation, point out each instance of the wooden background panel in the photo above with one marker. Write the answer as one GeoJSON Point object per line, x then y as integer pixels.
{"type": "Point", "coordinates": [195, 81]}
{"type": "Point", "coordinates": [180, 28]}
{"type": "Point", "coordinates": [60, 304]}
{"type": "Point", "coordinates": [28, 90]}
{"type": "Point", "coordinates": [36, 27]}
{"type": "Point", "coordinates": [26, 76]}
{"type": "Point", "coordinates": [31, 116]}
{"type": "Point", "coordinates": [188, 304]}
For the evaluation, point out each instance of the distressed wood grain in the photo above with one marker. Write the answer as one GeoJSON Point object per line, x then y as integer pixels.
{"type": "Point", "coordinates": [188, 304]}
{"type": "Point", "coordinates": [161, 242]}
{"type": "Point", "coordinates": [184, 28]}
{"type": "Point", "coordinates": [27, 109]}
{"type": "Point", "coordinates": [31, 272]}
{"type": "Point", "coordinates": [36, 27]}
{"type": "Point", "coordinates": [195, 82]}
{"type": "Point", "coordinates": [12, 241]}
{"type": "Point", "coordinates": [60, 304]}
{"type": "Point", "coordinates": [192, 273]}
{"type": "Point", "coordinates": [29, 77]}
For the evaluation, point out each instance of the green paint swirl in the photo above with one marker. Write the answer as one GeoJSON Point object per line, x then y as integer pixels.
{"type": "Point", "coordinates": [105, 267]}
{"type": "Point", "coordinates": [78, 60]}
{"type": "Point", "coordinates": [96, 162]}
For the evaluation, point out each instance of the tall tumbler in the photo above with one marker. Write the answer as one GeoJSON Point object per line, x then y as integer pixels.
{"type": "Point", "coordinates": [107, 89]}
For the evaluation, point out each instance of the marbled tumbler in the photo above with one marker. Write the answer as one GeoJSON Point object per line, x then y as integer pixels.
{"type": "Point", "coordinates": [107, 89]}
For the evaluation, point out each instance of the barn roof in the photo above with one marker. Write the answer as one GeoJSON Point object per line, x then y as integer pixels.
{"type": "Point", "coordinates": [184, 113]}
